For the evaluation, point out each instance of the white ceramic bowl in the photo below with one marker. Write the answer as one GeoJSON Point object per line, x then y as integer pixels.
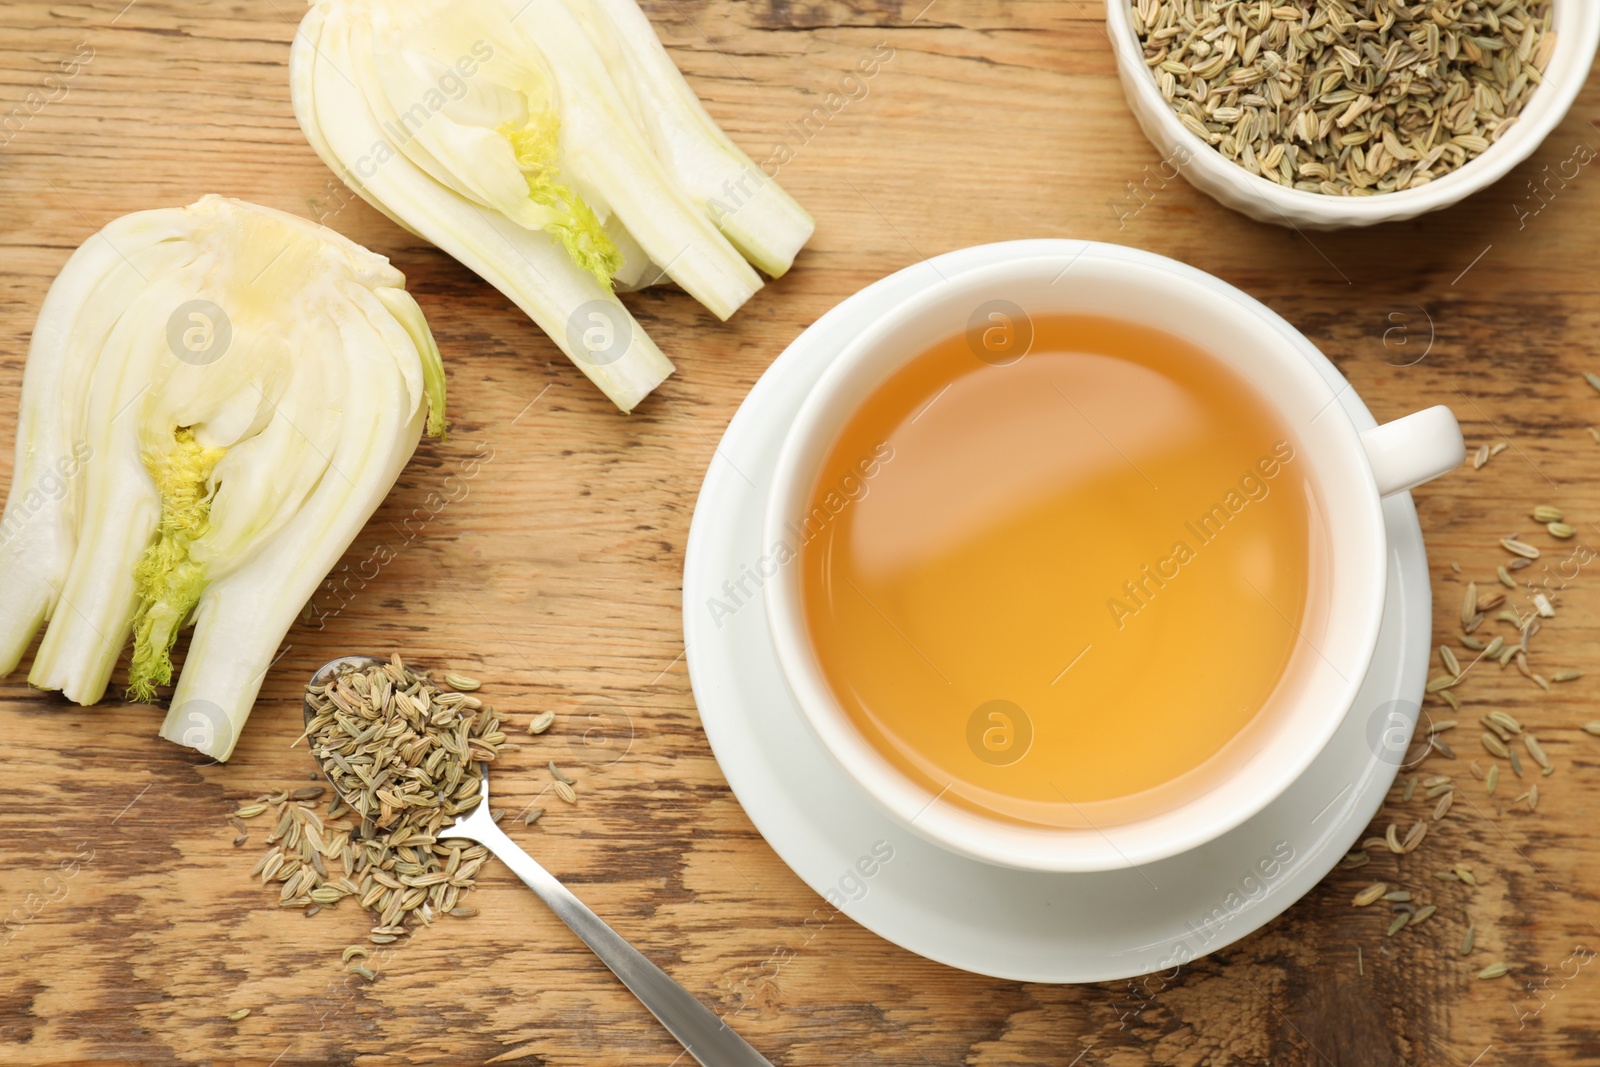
{"type": "Point", "coordinates": [1350, 469]}
{"type": "Point", "coordinates": [1577, 24]}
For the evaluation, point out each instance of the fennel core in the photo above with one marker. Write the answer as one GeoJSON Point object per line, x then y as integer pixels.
{"type": "Point", "coordinates": [168, 579]}
{"type": "Point", "coordinates": [537, 147]}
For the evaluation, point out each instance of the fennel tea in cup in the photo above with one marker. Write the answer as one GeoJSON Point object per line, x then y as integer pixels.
{"type": "Point", "coordinates": [1088, 555]}
{"type": "Point", "coordinates": [1073, 581]}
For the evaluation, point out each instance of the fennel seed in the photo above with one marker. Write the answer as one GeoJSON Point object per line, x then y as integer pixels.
{"type": "Point", "coordinates": [1441, 681]}
{"type": "Point", "coordinates": [1371, 893]}
{"type": "Point", "coordinates": [461, 683]}
{"type": "Point", "coordinates": [1448, 658]}
{"type": "Point", "coordinates": [235, 1016]}
{"type": "Point", "coordinates": [1494, 970]}
{"type": "Point", "coordinates": [1519, 548]}
{"type": "Point", "coordinates": [1443, 807]}
{"type": "Point", "coordinates": [1505, 720]}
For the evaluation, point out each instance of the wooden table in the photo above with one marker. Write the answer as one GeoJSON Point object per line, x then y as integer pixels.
{"type": "Point", "coordinates": [555, 576]}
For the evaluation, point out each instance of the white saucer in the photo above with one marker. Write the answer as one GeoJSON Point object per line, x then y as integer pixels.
{"type": "Point", "coordinates": [961, 912]}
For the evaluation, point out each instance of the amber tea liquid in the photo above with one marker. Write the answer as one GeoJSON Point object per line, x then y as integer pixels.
{"type": "Point", "coordinates": [1065, 591]}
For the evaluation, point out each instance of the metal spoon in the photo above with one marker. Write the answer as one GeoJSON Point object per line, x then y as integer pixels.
{"type": "Point", "coordinates": [705, 1037]}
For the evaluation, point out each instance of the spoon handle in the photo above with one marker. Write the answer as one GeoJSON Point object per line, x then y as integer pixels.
{"type": "Point", "coordinates": [706, 1037]}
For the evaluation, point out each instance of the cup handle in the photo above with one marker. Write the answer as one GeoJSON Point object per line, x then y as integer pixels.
{"type": "Point", "coordinates": [1415, 449]}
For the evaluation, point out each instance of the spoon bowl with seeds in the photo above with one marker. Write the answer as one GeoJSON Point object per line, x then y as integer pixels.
{"type": "Point", "coordinates": [412, 762]}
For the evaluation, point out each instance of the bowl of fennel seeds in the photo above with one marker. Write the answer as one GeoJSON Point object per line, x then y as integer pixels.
{"type": "Point", "coordinates": [1324, 114]}
{"type": "Point", "coordinates": [409, 756]}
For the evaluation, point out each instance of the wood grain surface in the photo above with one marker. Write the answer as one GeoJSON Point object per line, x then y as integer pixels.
{"type": "Point", "coordinates": [553, 570]}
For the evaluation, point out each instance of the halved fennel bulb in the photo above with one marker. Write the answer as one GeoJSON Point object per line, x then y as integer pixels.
{"type": "Point", "coordinates": [552, 147]}
{"type": "Point", "coordinates": [216, 400]}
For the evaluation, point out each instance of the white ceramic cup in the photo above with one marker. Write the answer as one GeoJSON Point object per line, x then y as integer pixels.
{"type": "Point", "coordinates": [1351, 471]}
